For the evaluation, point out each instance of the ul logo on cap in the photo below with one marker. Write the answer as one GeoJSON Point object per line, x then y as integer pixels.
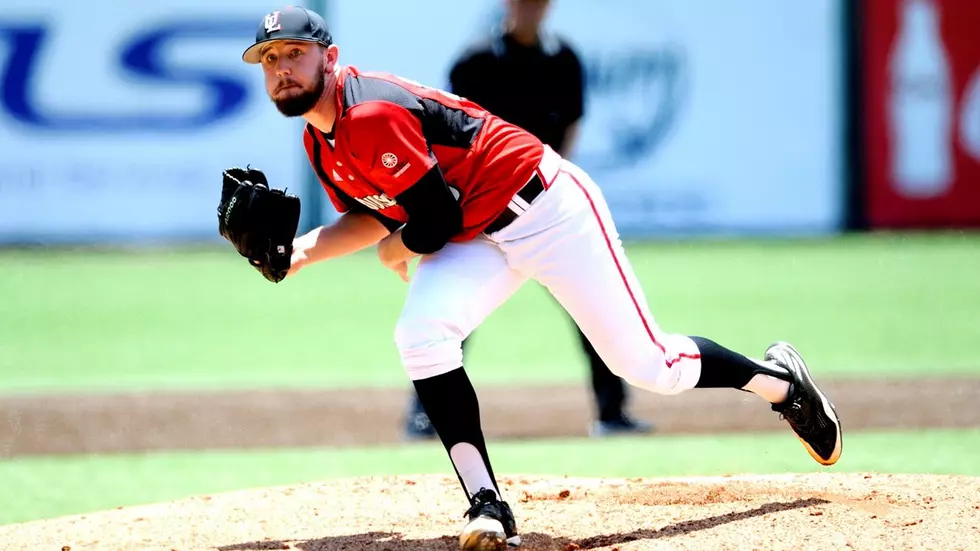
{"type": "Point", "coordinates": [272, 22]}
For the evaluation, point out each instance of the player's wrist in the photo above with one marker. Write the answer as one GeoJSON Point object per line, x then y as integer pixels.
{"type": "Point", "coordinates": [305, 246]}
{"type": "Point", "coordinates": [392, 250]}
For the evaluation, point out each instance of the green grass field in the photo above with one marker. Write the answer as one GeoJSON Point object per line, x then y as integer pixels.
{"type": "Point", "coordinates": [36, 488]}
{"type": "Point", "coordinates": [860, 306]}
{"type": "Point", "coordinates": [856, 306]}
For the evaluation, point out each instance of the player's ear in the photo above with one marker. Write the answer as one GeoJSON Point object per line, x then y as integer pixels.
{"type": "Point", "coordinates": [330, 56]}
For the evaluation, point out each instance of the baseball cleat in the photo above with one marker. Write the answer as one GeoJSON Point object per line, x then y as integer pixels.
{"type": "Point", "coordinates": [491, 525]}
{"type": "Point", "coordinates": [418, 427]}
{"type": "Point", "coordinates": [807, 410]}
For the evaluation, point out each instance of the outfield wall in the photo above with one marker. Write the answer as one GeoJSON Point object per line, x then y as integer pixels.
{"type": "Point", "coordinates": [116, 123]}
{"type": "Point", "coordinates": [702, 117]}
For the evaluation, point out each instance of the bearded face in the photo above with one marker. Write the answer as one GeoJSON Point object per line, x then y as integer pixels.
{"type": "Point", "coordinates": [294, 76]}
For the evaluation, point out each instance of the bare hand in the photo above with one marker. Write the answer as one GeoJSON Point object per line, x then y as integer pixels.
{"type": "Point", "coordinates": [394, 255]}
{"type": "Point", "coordinates": [401, 268]}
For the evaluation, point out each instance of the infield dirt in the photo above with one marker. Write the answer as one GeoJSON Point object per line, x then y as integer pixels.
{"type": "Point", "coordinates": [812, 512]}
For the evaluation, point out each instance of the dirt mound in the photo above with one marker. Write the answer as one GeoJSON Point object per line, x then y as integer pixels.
{"type": "Point", "coordinates": [815, 511]}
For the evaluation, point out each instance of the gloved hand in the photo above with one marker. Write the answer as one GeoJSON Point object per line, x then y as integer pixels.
{"type": "Point", "coordinates": [260, 221]}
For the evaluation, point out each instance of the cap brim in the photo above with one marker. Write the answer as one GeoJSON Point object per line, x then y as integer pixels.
{"type": "Point", "coordinates": [253, 54]}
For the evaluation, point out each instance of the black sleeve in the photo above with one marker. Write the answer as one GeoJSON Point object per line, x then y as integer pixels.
{"type": "Point", "coordinates": [354, 205]}
{"type": "Point", "coordinates": [465, 77]}
{"type": "Point", "coordinates": [434, 213]}
{"type": "Point", "coordinates": [458, 77]}
{"type": "Point", "coordinates": [576, 87]}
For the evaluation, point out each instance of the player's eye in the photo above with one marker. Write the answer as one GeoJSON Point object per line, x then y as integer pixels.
{"type": "Point", "coordinates": [296, 53]}
{"type": "Point", "coordinates": [270, 58]}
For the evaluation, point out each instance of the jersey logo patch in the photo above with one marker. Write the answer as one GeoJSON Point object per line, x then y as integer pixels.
{"type": "Point", "coordinates": [389, 160]}
{"type": "Point", "coordinates": [377, 202]}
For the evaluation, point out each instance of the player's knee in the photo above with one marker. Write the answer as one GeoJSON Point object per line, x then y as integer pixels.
{"type": "Point", "coordinates": [428, 347]}
{"type": "Point", "coordinates": [657, 373]}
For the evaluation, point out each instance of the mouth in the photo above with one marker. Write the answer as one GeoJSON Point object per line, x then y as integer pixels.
{"type": "Point", "coordinates": [286, 87]}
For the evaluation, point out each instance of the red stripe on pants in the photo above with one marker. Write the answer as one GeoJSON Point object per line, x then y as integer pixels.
{"type": "Point", "coordinates": [639, 311]}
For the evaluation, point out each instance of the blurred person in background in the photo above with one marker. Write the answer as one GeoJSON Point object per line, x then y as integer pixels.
{"type": "Point", "coordinates": [549, 103]}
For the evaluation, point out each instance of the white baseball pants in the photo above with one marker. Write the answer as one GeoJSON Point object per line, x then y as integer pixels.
{"type": "Point", "coordinates": [567, 241]}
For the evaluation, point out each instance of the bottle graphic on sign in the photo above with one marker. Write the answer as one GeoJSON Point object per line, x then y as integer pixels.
{"type": "Point", "coordinates": [920, 109]}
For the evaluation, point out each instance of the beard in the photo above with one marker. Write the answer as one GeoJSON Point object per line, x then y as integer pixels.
{"type": "Point", "coordinates": [300, 104]}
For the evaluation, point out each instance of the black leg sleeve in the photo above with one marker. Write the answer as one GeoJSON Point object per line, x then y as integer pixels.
{"type": "Point", "coordinates": [723, 368]}
{"type": "Point", "coordinates": [454, 411]}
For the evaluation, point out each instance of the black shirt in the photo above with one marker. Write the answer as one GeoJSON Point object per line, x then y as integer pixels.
{"type": "Point", "coordinates": [539, 88]}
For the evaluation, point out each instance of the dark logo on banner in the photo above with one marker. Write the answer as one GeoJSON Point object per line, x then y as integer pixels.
{"type": "Point", "coordinates": [142, 57]}
{"type": "Point", "coordinates": [638, 93]}
{"type": "Point", "coordinates": [634, 96]}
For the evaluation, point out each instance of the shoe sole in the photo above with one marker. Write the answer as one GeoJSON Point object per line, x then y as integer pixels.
{"type": "Point", "coordinates": [804, 373]}
{"type": "Point", "coordinates": [418, 437]}
{"type": "Point", "coordinates": [483, 534]}
{"type": "Point", "coordinates": [605, 433]}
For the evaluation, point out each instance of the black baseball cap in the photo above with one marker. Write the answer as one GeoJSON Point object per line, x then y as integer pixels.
{"type": "Point", "coordinates": [288, 23]}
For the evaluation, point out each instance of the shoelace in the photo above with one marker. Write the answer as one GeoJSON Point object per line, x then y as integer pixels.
{"type": "Point", "coordinates": [794, 414]}
{"type": "Point", "coordinates": [480, 501]}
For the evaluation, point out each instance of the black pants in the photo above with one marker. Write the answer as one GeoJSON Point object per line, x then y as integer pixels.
{"type": "Point", "coordinates": [609, 390]}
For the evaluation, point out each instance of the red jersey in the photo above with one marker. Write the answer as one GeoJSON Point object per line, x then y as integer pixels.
{"type": "Point", "coordinates": [389, 132]}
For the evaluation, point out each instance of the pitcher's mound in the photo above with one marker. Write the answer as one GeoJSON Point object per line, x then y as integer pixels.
{"type": "Point", "coordinates": [815, 511]}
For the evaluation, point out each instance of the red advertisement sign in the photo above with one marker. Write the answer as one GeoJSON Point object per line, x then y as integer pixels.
{"type": "Point", "coordinates": [922, 113]}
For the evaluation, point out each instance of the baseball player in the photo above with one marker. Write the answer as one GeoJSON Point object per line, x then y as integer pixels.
{"type": "Point", "coordinates": [484, 206]}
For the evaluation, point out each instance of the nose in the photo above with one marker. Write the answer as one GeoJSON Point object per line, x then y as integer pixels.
{"type": "Point", "coordinates": [283, 67]}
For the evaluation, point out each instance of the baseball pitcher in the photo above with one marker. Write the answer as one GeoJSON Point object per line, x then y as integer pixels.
{"type": "Point", "coordinates": [485, 206]}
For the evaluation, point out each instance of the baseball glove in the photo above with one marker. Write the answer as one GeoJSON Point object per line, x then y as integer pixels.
{"type": "Point", "coordinates": [259, 221]}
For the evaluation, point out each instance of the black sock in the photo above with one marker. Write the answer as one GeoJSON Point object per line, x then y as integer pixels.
{"type": "Point", "coordinates": [451, 403]}
{"type": "Point", "coordinates": [723, 368]}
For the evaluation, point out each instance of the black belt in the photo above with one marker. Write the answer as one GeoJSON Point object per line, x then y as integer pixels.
{"type": "Point", "coordinates": [530, 192]}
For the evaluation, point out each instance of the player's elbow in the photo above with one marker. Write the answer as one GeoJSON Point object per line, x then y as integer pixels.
{"type": "Point", "coordinates": [430, 233]}
{"type": "Point", "coordinates": [434, 213]}
{"type": "Point", "coordinates": [452, 222]}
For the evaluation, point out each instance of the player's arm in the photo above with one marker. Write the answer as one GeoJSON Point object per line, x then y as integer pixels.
{"type": "Point", "coordinates": [434, 217]}
{"type": "Point", "coordinates": [352, 232]}
{"type": "Point", "coordinates": [402, 164]}
{"type": "Point", "coordinates": [568, 140]}
{"type": "Point", "coordinates": [461, 78]}
{"type": "Point", "coordinates": [575, 98]}
{"type": "Point", "coordinates": [357, 228]}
